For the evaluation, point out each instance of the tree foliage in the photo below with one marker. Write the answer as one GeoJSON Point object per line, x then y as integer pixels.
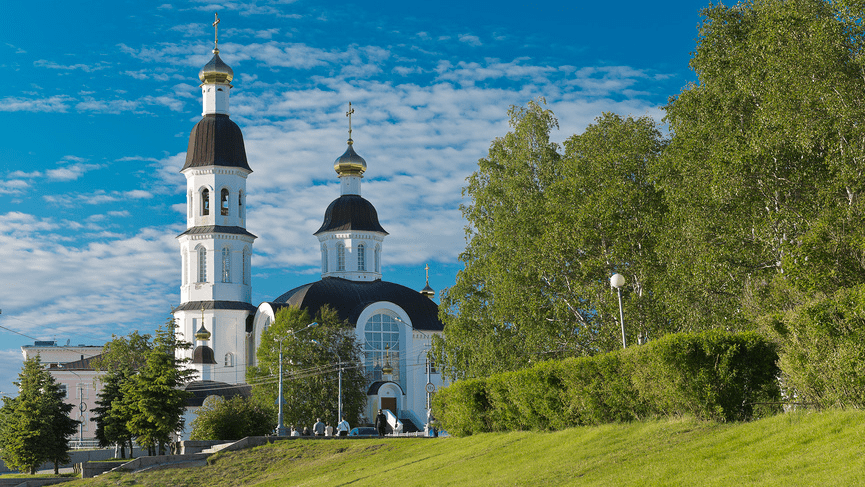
{"type": "Point", "coordinates": [545, 231]}
{"type": "Point", "coordinates": [310, 386]}
{"type": "Point", "coordinates": [35, 425]}
{"type": "Point", "coordinates": [232, 419]}
{"type": "Point", "coordinates": [120, 361]}
{"type": "Point", "coordinates": [763, 176]}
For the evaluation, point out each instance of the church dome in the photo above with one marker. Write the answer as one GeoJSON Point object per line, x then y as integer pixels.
{"type": "Point", "coordinates": [203, 355]}
{"type": "Point", "coordinates": [349, 163]}
{"type": "Point", "coordinates": [216, 71]}
{"type": "Point", "coordinates": [351, 212]}
{"type": "Point", "coordinates": [216, 141]}
{"type": "Point", "coordinates": [350, 298]}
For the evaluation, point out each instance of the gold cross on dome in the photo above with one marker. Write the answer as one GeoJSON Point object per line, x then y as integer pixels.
{"type": "Point", "coordinates": [427, 273]}
{"type": "Point", "coordinates": [216, 31]}
{"type": "Point", "coordinates": [348, 114]}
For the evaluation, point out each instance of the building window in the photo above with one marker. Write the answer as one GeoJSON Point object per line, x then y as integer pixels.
{"type": "Point", "coordinates": [323, 258]}
{"type": "Point", "coordinates": [205, 202]}
{"type": "Point", "coordinates": [202, 264]}
{"type": "Point", "coordinates": [229, 359]}
{"type": "Point", "coordinates": [246, 266]}
{"type": "Point", "coordinates": [361, 258]}
{"type": "Point", "coordinates": [378, 258]}
{"type": "Point", "coordinates": [340, 257]}
{"type": "Point", "coordinates": [240, 204]}
{"type": "Point", "coordinates": [223, 202]}
{"type": "Point", "coordinates": [381, 345]}
{"type": "Point", "coordinates": [226, 265]}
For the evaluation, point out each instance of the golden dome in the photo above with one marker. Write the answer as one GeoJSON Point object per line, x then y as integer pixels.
{"type": "Point", "coordinates": [202, 334]}
{"type": "Point", "coordinates": [349, 163]}
{"type": "Point", "coordinates": [216, 71]}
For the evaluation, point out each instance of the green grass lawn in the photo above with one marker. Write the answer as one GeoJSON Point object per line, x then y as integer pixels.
{"type": "Point", "coordinates": [796, 449]}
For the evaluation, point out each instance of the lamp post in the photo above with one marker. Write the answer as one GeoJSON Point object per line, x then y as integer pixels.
{"type": "Point", "coordinates": [82, 406]}
{"type": "Point", "coordinates": [617, 281]}
{"type": "Point", "coordinates": [339, 393]}
{"type": "Point", "coordinates": [280, 425]}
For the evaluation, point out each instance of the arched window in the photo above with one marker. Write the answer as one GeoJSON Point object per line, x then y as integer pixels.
{"type": "Point", "coordinates": [340, 257]}
{"type": "Point", "coordinates": [223, 202]}
{"type": "Point", "coordinates": [202, 264]}
{"type": "Point", "coordinates": [205, 202]}
{"type": "Point", "coordinates": [381, 345]}
{"type": "Point", "coordinates": [378, 258]}
{"type": "Point", "coordinates": [226, 265]}
{"type": "Point", "coordinates": [229, 359]}
{"type": "Point", "coordinates": [323, 258]}
{"type": "Point", "coordinates": [246, 266]}
{"type": "Point", "coordinates": [361, 257]}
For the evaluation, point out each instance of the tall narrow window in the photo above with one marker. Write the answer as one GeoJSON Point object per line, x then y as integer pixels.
{"type": "Point", "coordinates": [226, 265]}
{"type": "Point", "coordinates": [205, 202]}
{"type": "Point", "coordinates": [340, 257]}
{"type": "Point", "coordinates": [240, 204]}
{"type": "Point", "coordinates": [378, 258]}
{"type": "Point", "coordinates": [323, 258]}
{"type": "Point", "coordinates": [223, 202]}
{"type": "Point", "coordinates": [246, 266]}
{"type": "Point", "coordinates": [202, 264]}
{"type": "Point", "coordinates": [361, 257]}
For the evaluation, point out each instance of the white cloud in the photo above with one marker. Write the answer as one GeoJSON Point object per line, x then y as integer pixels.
{"type": "Point", "coordinates": [70, 172]}
{"type": "Point", "coordinates": [57, 103]}
{"type": "Point", "coordinates": [471, 40]}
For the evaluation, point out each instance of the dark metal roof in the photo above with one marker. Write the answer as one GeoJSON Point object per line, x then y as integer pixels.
{"type": "Point", "coordinates": [196, 305]}
{"type": "Point", "coordinates": [203, 355]}
{"type": "Point", "coordinates": [350, 212]}
{"type": "Point", "coordinates": [82, 364]}
{"type": "Point", "coordinates": [350, 298]}
{"type": "Point", "coordinates": [216, 141]}
{"type": "Point", "coordinates": [217, 229]}
{"type": "Point", "coordinates": [200, 389]}
{"type": "Point", "coordinates": [375, 386]}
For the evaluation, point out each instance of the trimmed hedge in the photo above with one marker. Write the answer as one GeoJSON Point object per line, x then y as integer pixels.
{"type": "Point", "coordinates": [713, 375]}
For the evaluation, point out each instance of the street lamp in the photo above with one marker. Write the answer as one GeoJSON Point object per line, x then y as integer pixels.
{"type": "Point", "coordinates": [617, 281]}
{"type": "Point", "coordinates": [280, 425]}
{"type": "Point", "coordinates": [82, 406]}
{"type": "Point", "coordinates": [339, 364]}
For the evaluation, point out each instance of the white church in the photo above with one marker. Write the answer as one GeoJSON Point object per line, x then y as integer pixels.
{"type": "Point", "coordinates": [393, 323]}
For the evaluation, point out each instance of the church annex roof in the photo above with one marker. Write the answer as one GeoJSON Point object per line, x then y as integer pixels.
{"type": "Point", "coordinates": [350, 212]}
{"type": "Point", "coordinates": [350, 298]}
{"type": "Point", "coordinates": [198, 305]}
{"type": "Point", "coordinates": [200, 389]}
{"type": "Point", "coordinates": [216, 141]}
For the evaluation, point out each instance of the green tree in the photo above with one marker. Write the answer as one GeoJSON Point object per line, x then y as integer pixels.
{"type": "Point", "coordinates": [153, 398]}
{"type": "Point", "coordinates": [763, 177]}
{"type": "Point", "coordinates": [310, 384]}
{"type": "Point", "coordinates": [120, 360]}
{"type": "Point", "coordinates": [36, 424]}
{"type": "Point", "coordinates": [545, 232]}
{"type": "Point", "coordinates": [232, 419]}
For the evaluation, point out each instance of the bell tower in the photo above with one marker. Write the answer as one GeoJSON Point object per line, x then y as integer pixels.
{"type": "Point", "coordinates": [216, 248]}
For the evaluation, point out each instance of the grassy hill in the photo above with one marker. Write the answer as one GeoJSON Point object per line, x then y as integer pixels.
{"type": "Point", "coordinates": [798, 449]}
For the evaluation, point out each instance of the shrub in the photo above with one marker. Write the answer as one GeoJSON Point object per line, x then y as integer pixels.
{"type": "Point", "coordinates": [713, 375]}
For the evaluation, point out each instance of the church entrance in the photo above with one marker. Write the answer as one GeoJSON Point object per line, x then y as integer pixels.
{"type": "Point", "coordinates": [389, 403]}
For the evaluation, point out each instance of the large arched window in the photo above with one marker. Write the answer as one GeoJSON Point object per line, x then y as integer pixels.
{"type": "Point", "coordinates": [323, 258]}
{"type": "Point", "coordinates": [381, 345]}
{"type": "Point", "coordinates": [361, 257]}
{"type": "Point", "coordinates": [223, 202]}
{"type": "Point", "coordinates": [205, 202]}
{"type": "Point", "coordinates": [226, 265]}
{"type": "Point", "coordinates": [340, 257]}
{"type": "Point", "coordinates": [202, 263]}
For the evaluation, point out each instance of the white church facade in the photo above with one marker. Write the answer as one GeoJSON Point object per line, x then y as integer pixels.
{"type": "Point", "coordinates": [393, 323]}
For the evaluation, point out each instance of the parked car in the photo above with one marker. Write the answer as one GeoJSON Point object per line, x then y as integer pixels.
{"type": "Point", "coordinates": [364, 431]}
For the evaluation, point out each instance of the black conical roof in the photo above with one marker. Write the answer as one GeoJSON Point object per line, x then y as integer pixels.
{"type": "Point", "coordinates": [351, 212]}
{"type": "Point", "coordinates": [216, 141]}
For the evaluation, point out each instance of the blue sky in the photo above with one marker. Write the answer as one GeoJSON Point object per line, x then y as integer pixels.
{"type": "Point", "coordinates": [98, 100]}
